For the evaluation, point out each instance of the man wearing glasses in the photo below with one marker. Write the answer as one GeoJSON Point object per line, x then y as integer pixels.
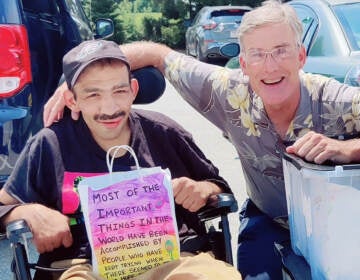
{"type": "Point", "coordinates": [267, 103]}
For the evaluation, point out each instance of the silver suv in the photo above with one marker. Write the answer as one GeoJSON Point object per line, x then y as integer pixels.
{"type": "Point", "coordinates": [213, 27]}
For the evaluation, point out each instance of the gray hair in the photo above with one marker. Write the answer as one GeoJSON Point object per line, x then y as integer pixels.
{"type": "Point", "coordinates": [270, 12]}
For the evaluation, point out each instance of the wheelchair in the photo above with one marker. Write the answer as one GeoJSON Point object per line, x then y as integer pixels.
{"type": "Point", "coordinates": [219, 237]}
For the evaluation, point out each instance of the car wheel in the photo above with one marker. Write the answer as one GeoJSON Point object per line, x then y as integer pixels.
{"type": "Point", "coordinates": [199, 54]}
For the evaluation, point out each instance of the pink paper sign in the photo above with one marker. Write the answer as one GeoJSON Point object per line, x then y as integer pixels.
{"type": "Point", "coordinates": [133, 226]}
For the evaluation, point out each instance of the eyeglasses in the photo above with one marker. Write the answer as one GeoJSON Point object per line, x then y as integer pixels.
{"type": "Point", "coordinates": [278, 54]}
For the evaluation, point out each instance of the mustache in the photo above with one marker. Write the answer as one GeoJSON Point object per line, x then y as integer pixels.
{"type": "Point", "coordinates": [104, 117]}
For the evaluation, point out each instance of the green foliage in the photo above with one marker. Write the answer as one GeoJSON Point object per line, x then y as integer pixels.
{"type": "Point", "coordinates": [152, 28]}
{"type": "Point", "coordinates": [87, 8]}
{"type": "Point", "coordinates": [125, 7]}
{"type": "Point", "coordinates": [155, 20]}
{"type": "Point", "coordinates": [119, 26]}
{"type": "Point", "coordinates": [173, 34]}
{"type": "Point", "coordinates": [135, 28]}
{"type": "Point", "coordinates": [142, 6]}
{"type": "Point", "coordinates": [170, 32]}
{"type": "Point", "coordinates": [96, 9]}
{"type": "Point", "coordinates": [102, 8]}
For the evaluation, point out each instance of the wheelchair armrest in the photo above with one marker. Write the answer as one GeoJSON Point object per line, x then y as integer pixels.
{"type": "Point", "coordinates": [18, 232]}
{"type": "Point", "coordinates": [218, 205]}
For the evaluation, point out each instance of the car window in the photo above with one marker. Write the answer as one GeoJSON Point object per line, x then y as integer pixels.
{"type": "Point", "coordinates": [76, 10]}
{"type": "Point", "coordinates": [348, 16]}
{"type": "Point", "coordinates": [310, 24]}
{"type": "Point", "coordinates": [318, 41]}
{"type": "Point", "coordinates": [40, 6]}
{"type": "Point", "coordinates": [227, 15]}
{"type": "Point", "coordinates": [203, 16]}
{"type": "Point", "coordinates": [9, 12]}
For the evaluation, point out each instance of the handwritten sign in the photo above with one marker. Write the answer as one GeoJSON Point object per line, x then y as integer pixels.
{"type": "Point", "coordinates": [130, 221]}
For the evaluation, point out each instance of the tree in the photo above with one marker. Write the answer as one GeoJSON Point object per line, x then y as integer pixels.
{"type": "Point", "coordinates": [87, 8]}
{"type": "Point", "coordinates": [135, 19]}
{"type": "Point", "coordinates": [169, 10]}
{"type": "Point", "coordinates": [96, 9]}
{"type": "Point", "coordinates": [143, 6]}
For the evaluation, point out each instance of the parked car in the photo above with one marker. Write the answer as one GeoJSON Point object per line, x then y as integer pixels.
{"type": "Point", "coordinates": [34, 36]}
{"type": "Point", "coordinates": [331, 37]}
{"type": "Point", "coordinates": [212, 27]}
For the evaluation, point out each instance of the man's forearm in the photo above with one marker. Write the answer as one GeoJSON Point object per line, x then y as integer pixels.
{"type": "Point", "coordinates": [7, 205]}
{"type": "Point", "coordinates": [145, 53]}
{"type": "Point", "coordinates": [4, 212]}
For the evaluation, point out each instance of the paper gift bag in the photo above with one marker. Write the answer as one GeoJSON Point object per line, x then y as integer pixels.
{"type": "Point", "coordinates": [130, 219]}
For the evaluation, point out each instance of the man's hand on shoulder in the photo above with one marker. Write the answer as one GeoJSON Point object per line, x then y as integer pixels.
{"type": "Point", "coordinates": [54, 107]}
{"type": "Point", "coordinates": [49, 227]}
{"type": "Point", "coordinates": [193, 195]}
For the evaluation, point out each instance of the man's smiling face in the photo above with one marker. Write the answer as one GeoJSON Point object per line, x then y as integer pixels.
{"type": "Point", "coordinates": [275, 77]}
{"type": "Point", "coordinates": [104, 95]}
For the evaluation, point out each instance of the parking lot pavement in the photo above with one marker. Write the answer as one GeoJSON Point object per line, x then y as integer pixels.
{"type": "Point", "coordinates": [209, 138]}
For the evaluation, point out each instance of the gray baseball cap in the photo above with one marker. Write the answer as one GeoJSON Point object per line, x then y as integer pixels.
{"type": "Point", "coordinates": [76, 60]}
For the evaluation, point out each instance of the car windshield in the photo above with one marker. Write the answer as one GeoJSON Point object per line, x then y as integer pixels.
{"type": "Point", "coordinates": [227, 16]}
{"type": "Point", "coordinates": [348, 15]}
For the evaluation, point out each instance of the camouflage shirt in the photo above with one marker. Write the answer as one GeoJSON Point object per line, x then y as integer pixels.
{"type": "Point", "coordinates": [225, 98]}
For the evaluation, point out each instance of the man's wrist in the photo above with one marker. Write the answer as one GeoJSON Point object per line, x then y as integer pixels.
{"type": "Point", "coordinates": [354, 153]}
{"type": "Point", "coordinates": [5, 211]}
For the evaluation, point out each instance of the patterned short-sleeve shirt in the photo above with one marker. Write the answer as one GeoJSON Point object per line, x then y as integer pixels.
{"type": "Point", "coordinates": [225, 98]}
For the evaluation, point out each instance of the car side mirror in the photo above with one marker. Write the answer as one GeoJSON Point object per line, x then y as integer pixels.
{"type": "Point", "coordinates": [230, 49]}
{"type": "Point", "coordinates": [104, 28]}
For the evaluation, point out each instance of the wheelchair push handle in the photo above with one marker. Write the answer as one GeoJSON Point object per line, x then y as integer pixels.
{"type": "Point", "coordinates": [18, 231]}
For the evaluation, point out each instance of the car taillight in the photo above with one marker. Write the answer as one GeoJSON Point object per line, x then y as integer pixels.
{"type": "Point", "coordinates": [15, 65]}
{"type": "Point", "coordinates": [209, 25]}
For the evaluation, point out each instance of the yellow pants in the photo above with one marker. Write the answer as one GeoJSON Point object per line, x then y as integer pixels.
{"type": "Point", "coordinates": [190, 267]}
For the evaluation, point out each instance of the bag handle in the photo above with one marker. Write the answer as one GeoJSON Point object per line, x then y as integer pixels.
{"type": "Point", "coordinates": [110, 158]}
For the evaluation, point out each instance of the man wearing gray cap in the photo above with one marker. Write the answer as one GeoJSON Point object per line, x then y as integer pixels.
{"type": "Point", "coordinates": [101, 89]}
